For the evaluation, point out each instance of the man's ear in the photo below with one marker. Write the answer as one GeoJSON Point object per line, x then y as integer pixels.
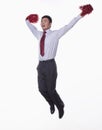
{"type": "Point", "coordinates": [50, 24]}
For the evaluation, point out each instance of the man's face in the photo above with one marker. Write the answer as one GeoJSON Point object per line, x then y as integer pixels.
{"type": "Point", "coordinates": [45, 24]}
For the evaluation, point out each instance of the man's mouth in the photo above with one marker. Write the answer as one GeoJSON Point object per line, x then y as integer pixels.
{"type": "Point", "coordinates": [43, 26]}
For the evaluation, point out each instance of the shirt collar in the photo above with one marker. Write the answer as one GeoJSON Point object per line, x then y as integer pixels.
{"type": "Point", "coordinates": [48, 30]}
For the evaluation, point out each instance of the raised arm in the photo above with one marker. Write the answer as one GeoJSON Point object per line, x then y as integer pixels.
{"type": "Point", "coordinates": [86, 9]}
{"type": "Point", "coordinates": [32, 18]}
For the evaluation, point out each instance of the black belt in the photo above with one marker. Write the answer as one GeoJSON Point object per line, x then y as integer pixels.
{"type": "Point", "coordinates": [47, 60]}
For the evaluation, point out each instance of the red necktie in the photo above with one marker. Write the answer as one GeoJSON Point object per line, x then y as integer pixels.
{"type": "Point", "coordinates": [42, 44]}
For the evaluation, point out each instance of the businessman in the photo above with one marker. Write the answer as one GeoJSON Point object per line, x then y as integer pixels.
{"type": "Point", "coordinates": [48, 42]}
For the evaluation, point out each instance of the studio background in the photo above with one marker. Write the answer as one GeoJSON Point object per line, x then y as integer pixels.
{"type": "Point", "coordinates": [79, 62]}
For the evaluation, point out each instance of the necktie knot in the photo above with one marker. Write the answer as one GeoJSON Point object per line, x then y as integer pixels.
{"type": "Point", "coordinates": [44, 33]}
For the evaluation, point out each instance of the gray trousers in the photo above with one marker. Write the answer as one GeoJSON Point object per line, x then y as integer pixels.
{"type": "Point", "coordinates": [47, 75]}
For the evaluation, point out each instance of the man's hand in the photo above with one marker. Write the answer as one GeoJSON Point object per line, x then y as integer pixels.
{"type": "Point", "coordinates": [86, 9]}
{"type": "Point", "coordinates": [33, 18]}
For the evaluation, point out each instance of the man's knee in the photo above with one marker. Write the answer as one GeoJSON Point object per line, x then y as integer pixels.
{"type": "Point", "coordinates": [42, 91]}
{"type": "Point", "coordinates": [51, 92]}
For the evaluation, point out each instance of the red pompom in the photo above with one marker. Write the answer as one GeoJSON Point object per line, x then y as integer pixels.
{"type": "Point", "coordinates": [86, 9]}
{"type": "Point", "coordinates": [33, 18]}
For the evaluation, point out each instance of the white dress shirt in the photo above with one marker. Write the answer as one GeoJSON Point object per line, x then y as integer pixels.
{"type": "Point", "coordinates": [52, 38]}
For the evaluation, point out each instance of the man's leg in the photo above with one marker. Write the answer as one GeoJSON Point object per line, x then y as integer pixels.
{"type": "Point", "coordinates": [51, 76]}
{"type": "Point", "coordinates": [42, 87]}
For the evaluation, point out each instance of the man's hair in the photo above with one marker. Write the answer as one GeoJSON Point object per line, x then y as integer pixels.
{"type": "Point", "coordinates": [48, 17]}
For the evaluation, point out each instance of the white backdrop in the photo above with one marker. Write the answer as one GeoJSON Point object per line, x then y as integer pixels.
{"type": "Point", "coordinates": [79, 61]}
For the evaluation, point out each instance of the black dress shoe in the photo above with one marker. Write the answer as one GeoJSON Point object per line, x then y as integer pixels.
{"type": "Point", "coordinates": [61, 111]}
{"type": "Point", "coordinates": [52, 109]}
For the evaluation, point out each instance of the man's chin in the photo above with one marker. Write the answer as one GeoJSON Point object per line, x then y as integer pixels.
{"type": "Point", "coordinates": [44, 28]}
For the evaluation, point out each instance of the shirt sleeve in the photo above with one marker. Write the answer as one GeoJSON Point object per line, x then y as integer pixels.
{"type": "Point", "coordinates": [66, 28]}
{"type": "Point", "coordinates": [33, 29]}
